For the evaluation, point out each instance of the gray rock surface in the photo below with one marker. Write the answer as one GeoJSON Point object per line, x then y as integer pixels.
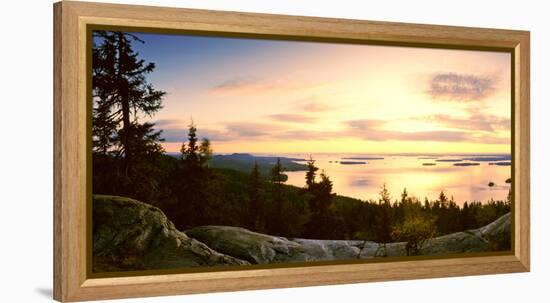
{"type": "Point", "coordinates": [262, 249]}
{"type": "Point", "coordinates": [131, 235]}
{"type": "Point", "coordinates": [259, 248]}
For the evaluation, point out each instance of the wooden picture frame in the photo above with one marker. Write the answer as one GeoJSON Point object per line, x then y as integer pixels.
{"type": "Point", "coordinates": [71, 19]}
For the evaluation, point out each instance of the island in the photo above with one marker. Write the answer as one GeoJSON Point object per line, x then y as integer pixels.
{"type": "Point", "coordinates": [501, 163]}
{"type": "Point", "coordinates": [363, 158]}
{"type": "Point", "coordinates": [466, 164]}
{"type": "Point", "coordinates": [489, 158]}
{"type": "Point", "coordinates": [352, 162]}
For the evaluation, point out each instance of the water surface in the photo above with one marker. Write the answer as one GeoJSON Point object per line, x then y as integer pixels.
{"type": "Point", "coordinates": [423, 175]}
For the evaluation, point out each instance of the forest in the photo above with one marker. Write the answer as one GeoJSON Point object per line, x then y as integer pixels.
{"type": "Point", "coordinates": [129, 160]}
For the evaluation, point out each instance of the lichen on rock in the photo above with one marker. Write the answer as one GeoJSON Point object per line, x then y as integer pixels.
{"type": "Point", "coordinates": [131, 235]}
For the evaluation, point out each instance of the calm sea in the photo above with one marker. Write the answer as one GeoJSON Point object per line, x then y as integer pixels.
{"type": "Point", "coordinates": [448, 173]}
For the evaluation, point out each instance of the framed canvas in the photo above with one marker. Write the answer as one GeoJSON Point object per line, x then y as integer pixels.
{"type": "Point", "coordinates": [205, 151]}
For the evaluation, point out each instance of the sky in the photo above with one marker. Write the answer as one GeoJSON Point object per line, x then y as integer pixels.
{"type": "Point", "coordinates": [268, 96]}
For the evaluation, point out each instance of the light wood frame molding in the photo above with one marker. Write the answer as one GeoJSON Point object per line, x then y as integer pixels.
{"type": "Point", "coordinates": [70, 148]}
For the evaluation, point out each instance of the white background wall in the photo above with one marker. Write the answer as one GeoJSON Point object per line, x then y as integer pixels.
{"type": "Point", "coordinates": [26, 149]}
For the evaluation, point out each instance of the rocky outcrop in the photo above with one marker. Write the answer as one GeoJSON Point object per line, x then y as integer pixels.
{"type": "Point", "coordinates": [262, 249]}
{"type": "Point", "coordinates": [259, 248]}
{"type": "Point", "coordinates": [131, 235]}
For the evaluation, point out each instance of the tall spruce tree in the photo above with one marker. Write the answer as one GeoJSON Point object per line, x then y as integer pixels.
{"type": "Point", "coordinates": [324, 194]}
{"type": "Point", "coordinates": [311, 173]}
{"type": "Point", "coordinates": [125, 149]}
{"type": "Point", "coordinates": [384, 220]}
{"type": "Point", "coordinates": [195, 185]}
{"type": "Point", "coordinates": [121, 95]}
{"type": "Point", "coordinates": [322, 222]}
{"type": "Point", "coordinates": [190, 151]}
{"type": "Point", "coordinates": [277, 178]}
{"type": "Point", "coordinates": [255, 207]}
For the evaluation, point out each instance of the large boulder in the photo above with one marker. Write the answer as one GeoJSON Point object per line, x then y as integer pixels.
{"type": "Point", "coordinates": [131, 235]}
{"type": "Point", "coordinates": [259, 248]}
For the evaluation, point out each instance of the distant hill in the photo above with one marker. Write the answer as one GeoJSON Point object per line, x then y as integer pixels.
{"type": "Point", "coordinates": [244, 162]}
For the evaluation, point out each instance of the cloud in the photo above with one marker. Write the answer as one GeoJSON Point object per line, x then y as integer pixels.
{"type": "Point", "coordinates": [249, 85]}
{"type": "Point", "coordinates": [366, 124]}
{"type": "Point", "coordinates": [478, 128]}
{"type": "Point", "coordinates": [307, 135]}
{"type": "Point", "coordinates": [372, 130]}
{"type": "Point", "coordinates": [293, 118]}
{"type": "Point", "coordinates": [460, 87]}
{"type": "Point", "coordinates": [476, 122]}
{"type": "Point", "coordinates": [180, 134]}
{"type": "Point", "coordinates": [440, 136]}
{"type": "Point", "coordinates": [166, 122]}
{"type": "Point", "coordinates": [250, 129]}
{"type": "Point", "coordinates": [236, 85]}
{"type": "Point", "coordinates": [488, 139]}
{"type": "Point", "coordinates": [315, 107]}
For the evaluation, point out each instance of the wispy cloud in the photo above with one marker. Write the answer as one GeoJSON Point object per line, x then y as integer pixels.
{"type": "Point", "coordinates": [308, 135]}
{"type": "Point", "coordinates": [166, 123]}
{"type": "Point", "coordinates": [440, 136]}
{"type": "Point", "coordinates": [180, 134]}
{"type": "Point", "coordinates": [373, 130]}
{"type": "Point", "coordinates": [476, 122]}
{"type": "Point", "coordinates": [247, 85]}
{"type": "Point", "coordinates": [315, 107]}
{"type": "Point", "coordinates": [236, 85]}
{"type": "Point", "coordinates": [460, 87]}
{"type": "Point", "coordinates": [365, 124]}
{"type": "Point", "coordinates": [370, 130]}
{"type": "Point", "coordinates": [296, 118]}
{"type": "Point", "coordinates": [250, 129]}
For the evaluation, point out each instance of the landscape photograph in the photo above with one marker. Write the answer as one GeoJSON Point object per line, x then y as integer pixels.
{"type": "Point", "coordinates": [217, 152]}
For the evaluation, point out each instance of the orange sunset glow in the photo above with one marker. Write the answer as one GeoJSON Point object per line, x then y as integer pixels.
{"type": "Point", "coordinates": [279, 97]}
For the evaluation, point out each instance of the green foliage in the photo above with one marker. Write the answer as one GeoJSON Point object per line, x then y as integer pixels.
{"type": "Point", "coordinates": [229, 197]}
{"type": "Point", "coordinates": [416, 229]}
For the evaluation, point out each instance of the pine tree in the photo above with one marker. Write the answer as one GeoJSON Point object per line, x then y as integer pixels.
{"type": "Point", "coordinates": [443, 199]}
{"type": "Point", "coordinates": [277, 173]}
{"type": "Point", "coordinates": [121, 94]}
{"type": "Point", "coordinates": [197, 186]}
{"type": "Point", "coordinates": [311, 173]}
{"type": "Point", "coordinates": [205, 152]}
{"type": "Point", "coordinates": [324, 194]}
{"type": "Point", "coordinates": [193, 154]}
{"type": "Point", "coordinates": [385, 217]}
{"type": "Point", "coordinates": [277, 178]}
{"type": "Point", "coordinates": [125, 150]}
{"type": "Point", "coordinates": [322, 222]}
{"type": "Point", "coordinates": [103, 129]}
{"type": "Point", "coordinates": [404, 196]}
{"type": "Point", "coordinates": [255, 207]}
